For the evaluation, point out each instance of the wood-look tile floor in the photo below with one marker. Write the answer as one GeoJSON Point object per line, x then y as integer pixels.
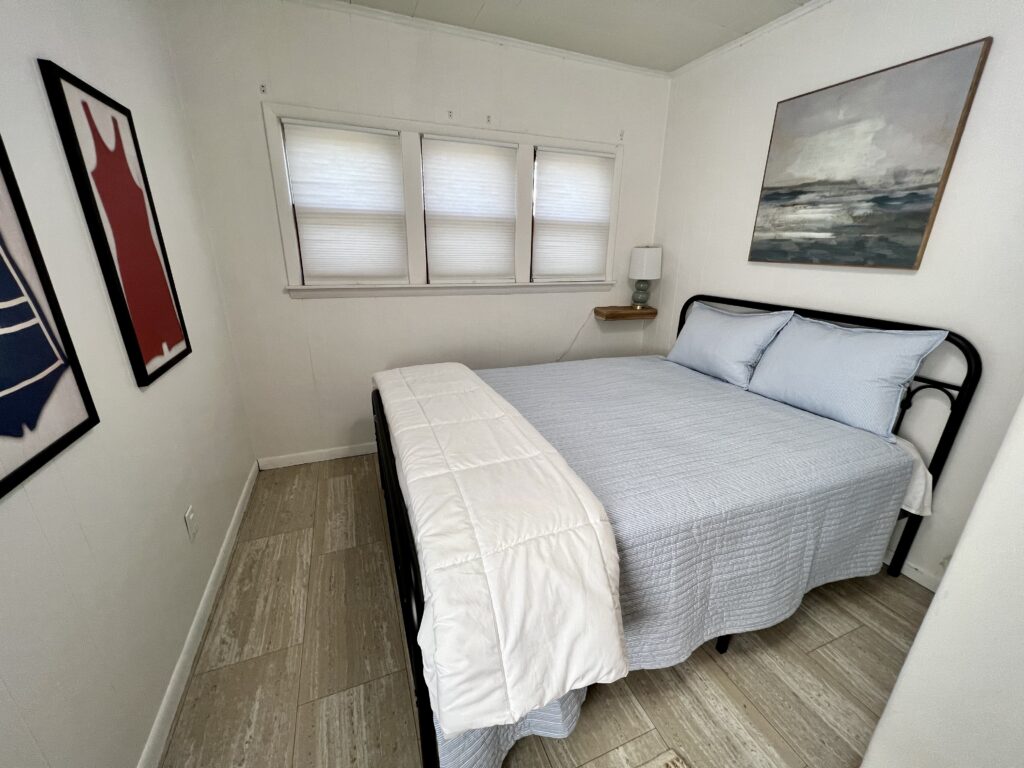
{"type": "Point", "coordinates": [304, 664]}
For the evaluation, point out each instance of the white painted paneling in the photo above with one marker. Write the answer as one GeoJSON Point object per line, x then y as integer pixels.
{"type": "Point", "coordinates": [720, 122]}
{"type": "Point", "coordinates": [656, 34]}
{"type": "Point", "coordinates": [17, 747]}
{"type": "Point", "coordinates": [98, 580]}
{"type": "Point", "coordinates": [306, 365]}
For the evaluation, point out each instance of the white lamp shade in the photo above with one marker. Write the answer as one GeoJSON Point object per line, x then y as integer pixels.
{"type": "Point", "coordinates": [645, 263]}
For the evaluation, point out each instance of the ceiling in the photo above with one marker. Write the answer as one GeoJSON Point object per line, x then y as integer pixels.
{"type": "Point", "coordinates": [656, 34]}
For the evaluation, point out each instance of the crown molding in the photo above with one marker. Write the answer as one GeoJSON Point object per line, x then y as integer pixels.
{"type": "Point", "coordinates": [739, 42]}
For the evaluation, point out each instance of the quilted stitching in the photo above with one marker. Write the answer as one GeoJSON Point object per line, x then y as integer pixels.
{"type": "Point", "coordinates": [504, 528]}
{"type": "Point", "coordinates": [726, 507]}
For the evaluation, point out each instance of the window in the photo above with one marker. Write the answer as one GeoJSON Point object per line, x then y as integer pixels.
{"type": "Point", "coordinates": [571, 215]}
{"type": "Point", "coordinates": [469, 204]}
{"type": "Point", "coordinates": [394, 208]}
{"type": "Point", "coordinates": [346, 190]}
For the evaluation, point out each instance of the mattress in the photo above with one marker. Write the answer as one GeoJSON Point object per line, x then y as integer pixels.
{"type": "Point", "coordinates": [726, 506]}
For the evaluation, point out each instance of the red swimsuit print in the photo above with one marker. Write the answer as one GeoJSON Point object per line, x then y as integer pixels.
{"type": "Point", "coordinates": [146, 291]}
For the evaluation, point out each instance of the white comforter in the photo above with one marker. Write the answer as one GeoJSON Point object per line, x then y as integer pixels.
{"type": "Point", "coordinates": [519, 563]}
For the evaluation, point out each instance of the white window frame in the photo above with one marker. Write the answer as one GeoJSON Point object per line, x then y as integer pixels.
{"type": "Point", "coordinates": [410, 132]}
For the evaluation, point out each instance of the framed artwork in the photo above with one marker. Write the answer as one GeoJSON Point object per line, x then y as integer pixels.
{"type": "Point", "coordinates": [856, 171]}
{"type": "Point", "coordinates": [45, 404]}
{"type": "Point", "coordinates": [103, 153]}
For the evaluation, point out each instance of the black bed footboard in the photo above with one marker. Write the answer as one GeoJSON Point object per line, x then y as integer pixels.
{"type": "Point", "coordinates": [407, 574]}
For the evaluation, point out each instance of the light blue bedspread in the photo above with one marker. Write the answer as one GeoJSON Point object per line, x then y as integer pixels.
{"type": "Point", "coordinates": [727, 507]}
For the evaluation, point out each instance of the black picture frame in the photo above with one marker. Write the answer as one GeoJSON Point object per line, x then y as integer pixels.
{"type": "Point", "coordinates": [20, 473]}
{"type": "Point", "coordinates": [54, 79]}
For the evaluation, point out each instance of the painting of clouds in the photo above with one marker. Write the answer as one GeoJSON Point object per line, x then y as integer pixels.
{"type": "Point", "coordinates": [855, 171]}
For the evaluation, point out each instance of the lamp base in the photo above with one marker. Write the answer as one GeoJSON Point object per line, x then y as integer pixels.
{"type": "Point", "coordinates": [641, 294]}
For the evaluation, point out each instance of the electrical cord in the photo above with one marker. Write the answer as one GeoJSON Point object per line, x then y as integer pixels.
{"type": "Point", "coordinates": [572, 343]}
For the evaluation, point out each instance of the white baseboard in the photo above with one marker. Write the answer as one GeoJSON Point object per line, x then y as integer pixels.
{"type": "Point", "coordinates": [926, 579]}
{"type": "Point", "coordinates": [323, 454]}
{"type": "Point", "coordinates": [161, 730]}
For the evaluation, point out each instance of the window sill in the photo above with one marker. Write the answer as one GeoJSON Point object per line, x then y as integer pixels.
{"type": "Point", "coordinates": [442, 289]}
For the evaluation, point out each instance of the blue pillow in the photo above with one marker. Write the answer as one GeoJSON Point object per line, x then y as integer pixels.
{"type": "Point", "coordinates": [726, 345]}
{"type": "Point", "coordinates": [852, 375]}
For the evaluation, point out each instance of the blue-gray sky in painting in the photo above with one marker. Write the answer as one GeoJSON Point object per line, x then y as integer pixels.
{"type": "Point", "coordinates": [853, 170]}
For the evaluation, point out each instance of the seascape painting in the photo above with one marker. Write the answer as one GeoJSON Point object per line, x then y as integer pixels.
{"type": "Point", "coordinates": [855, 171]}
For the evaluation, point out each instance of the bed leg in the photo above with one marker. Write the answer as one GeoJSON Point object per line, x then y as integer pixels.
{"type": "Point", "coordinates": [899, 557]}
{"type": "Point", "coordinates": [722, 643]}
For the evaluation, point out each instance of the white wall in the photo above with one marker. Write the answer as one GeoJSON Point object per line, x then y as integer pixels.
{"type": "Point", "coordinates": [306, 364]}
{"type": "Point", "coordinates": [958, 698]}
{"type": "Point", "coordinates": [98, 580]}
{"type": "Point", "coordinates": [720, 121]}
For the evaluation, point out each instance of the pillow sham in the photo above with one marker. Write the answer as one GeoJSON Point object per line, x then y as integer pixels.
{"type": "Point", "coordinates": [852, 375]}
{"type": "Point", "coordinates": [726, 345]}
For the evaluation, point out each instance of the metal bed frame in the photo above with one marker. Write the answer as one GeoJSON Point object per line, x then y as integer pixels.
{"type": "Point", "coordinates": [403, 548]}
{"type": "Point", "coordinates": [959, 394]}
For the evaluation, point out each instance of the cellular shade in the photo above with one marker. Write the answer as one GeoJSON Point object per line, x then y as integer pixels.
{"type": "Point", "coordinates": [347, 194]}
{"type": "Point", "coordinates": [571, 215]}
{"type": "Point", "coordinates": [469, 202]}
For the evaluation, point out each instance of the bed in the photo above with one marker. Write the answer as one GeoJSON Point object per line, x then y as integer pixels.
{"type": "Point", "coordinates": [726, 506]}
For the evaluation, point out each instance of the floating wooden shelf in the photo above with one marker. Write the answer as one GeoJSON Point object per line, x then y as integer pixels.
{"type": "Point", "coordinates": [625, 313]}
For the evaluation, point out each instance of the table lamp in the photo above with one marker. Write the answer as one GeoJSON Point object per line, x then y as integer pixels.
{"type": "Point", "coordinates": [644, 266]}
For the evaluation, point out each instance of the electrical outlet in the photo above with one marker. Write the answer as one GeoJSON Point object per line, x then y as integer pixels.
{"type": "Point", "coordinates": [191, 523]}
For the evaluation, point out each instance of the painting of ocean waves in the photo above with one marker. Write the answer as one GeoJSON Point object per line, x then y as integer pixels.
{"type": "Point", "coordinates": [843, 223]}
{"type": "Point", "coordinates": [855, 171]}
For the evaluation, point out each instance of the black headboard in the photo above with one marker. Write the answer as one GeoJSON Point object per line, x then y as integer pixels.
{"type": "Point", "coordinates": [958, 393]}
